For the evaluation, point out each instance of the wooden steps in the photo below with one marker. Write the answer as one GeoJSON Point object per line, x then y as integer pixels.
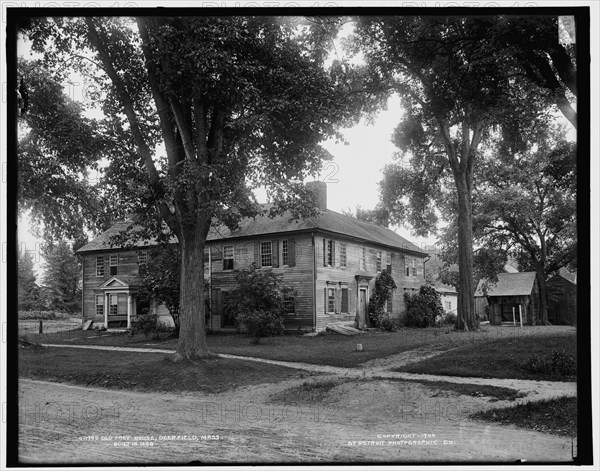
{"type": "Point", "coordinates": [343, 329]}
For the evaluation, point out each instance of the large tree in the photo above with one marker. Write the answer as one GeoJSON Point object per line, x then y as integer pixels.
{"type": "Point", "coordinates": [526, 202]}
{"type": "Point", "coordinates": [456, 86]}
{"type": "Point", "coordinates": [233, 101]}
{"type": "Point", "coordinates": [28, 290]}
{"type": "Point", "coordinates": [61, 279]}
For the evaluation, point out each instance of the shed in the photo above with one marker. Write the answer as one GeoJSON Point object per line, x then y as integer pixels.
{"type": "Point", "coordinates": [509, 292]}
{"type": "Point", "coordinates": [562, 298]}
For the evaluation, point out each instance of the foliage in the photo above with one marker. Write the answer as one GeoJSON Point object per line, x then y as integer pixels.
{"type": "Point", "coordinates": [61, 280]}
{"type": "Point", "coordinates": [44, 315]}
{"type": "Point", "coordinates": [378, 215]}
{"type": "Point", "coordinates": [235, 101]}
{"type": "Point", "coordinates": [161, 280]}
{"type": "Point", "coordinates": [28, 290]}
{"type": "Point", "coordinates": [56, 139]}
{"type": "Point", "coordinates": [558, 364]}
{"type": "Point", "coordinates": [260, 323]}
{"type": "Point", "coordinates": [148, 325]}
{"type": "Point", "coordinates": [455, 87]}
{"type": "Point", "coordinates": [422, 308]}
{"type": "Point", "coordinates": [257, 302]}
{"type": "Point", "coordinates": [382, 293]}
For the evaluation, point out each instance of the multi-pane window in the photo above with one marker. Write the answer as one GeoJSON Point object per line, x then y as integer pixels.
{"type": "Point", "coordinates": [344, 306]}
{"type": "Point", "coordinates": [113, 262]}
{"type": "Point", "coordinates": [112, 311]}
{"type": "Point", "coordinates": [328, 257]}
{"type": "Point", "coordinates": [411, 266]}
{"type": "Point", "coordinates": [99, 304]}
{"type": "Point", "coordinates": [99, 266]}
{"type": "Point", "coordinates": [363, 259]}
{"type": "Point", "coordinates": [448, 306]}
{"type": "Point", "coordinates": [289, 305]}
{"type": "Point", "coordinates": [142, 257]}
{"type": "Point", "coordinates": [343, 256]}
{"type": "Point", "coordinates": [330, 299]}
{"type": "Point", "coordinates": [266, 254]}
{"type": "Point", "coordinates": [284, 253]}
{"type": "Point", "coordinates": [378, 253]}
{"type": "Point", "coordinates": [388, 305]}
{"type": "Point", "coordinates": [388, 261]}
{"type": "Point", "coordinates": [228, 257]}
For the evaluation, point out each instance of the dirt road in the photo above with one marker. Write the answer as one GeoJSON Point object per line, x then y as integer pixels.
{"type": "Point", "coordinates": [358, 421]}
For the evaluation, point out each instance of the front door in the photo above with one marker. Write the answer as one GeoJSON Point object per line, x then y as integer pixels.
{"type": "Point", "coordinates": [362, 306]}
{"type": "Point", "coordinates": [117, 310]}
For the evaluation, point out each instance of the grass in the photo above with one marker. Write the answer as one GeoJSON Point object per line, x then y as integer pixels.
{"type": "Point", "coordinates": [144, 371]}
{"type": "Point", "coordinates": [323, 349]}
{"type": "Point", "coordinates": [501, 358]}
{"type": "Point", "coordinates": [497, 393]}
{"type": "Point", "coordinates": [557, 416]}
{"type": "Point", "coordinates": [309, 392]}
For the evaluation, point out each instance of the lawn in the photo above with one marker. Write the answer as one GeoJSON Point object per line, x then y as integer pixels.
{"type": "Point", "coordinates": [500, 358]}
{"type": "Point", "coordinates": [557, 416]}
{"type": "Point", "coordinates": [144, 371]}
{"type": "Point", "coordinates": [325, 349]}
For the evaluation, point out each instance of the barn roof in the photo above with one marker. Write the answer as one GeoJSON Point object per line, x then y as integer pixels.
{"type": "Point", "coordinates": [508, 284]}
{"type": "Point", "coordinates": [327, 221]}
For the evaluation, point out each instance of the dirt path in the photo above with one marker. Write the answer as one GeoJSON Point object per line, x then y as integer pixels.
{"type": "Point", "coordinates": [382, 420]}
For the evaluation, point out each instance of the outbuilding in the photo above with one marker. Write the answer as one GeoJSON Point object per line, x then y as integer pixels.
{"type": "Point", "coordinates": [514, 294]}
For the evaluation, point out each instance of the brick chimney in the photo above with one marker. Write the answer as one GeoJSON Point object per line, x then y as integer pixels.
{"type": "Point", "coordinates": [320, 191]}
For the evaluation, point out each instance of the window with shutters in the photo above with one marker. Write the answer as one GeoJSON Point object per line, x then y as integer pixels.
{"type": "Point", "coordinates": [448, 306]}
{"type": "Point", "coordinates": [113, 262]}
{"type": "Point", "coordinates": [344, 302]}
{"type": "Point", "coordinates": [284, 253]}
{"type": "Point", "coordinates": [99, 304]}
{"type": "Point", "coordinates": [266, 254]}
{"type": "Point", "coordinates": [99, 266]}
{"type": "Point", "coordinates": [330, 299]}
{"type": "Point", "coordinates": [343, 256]}
{"type": "Point", "coordinates": [228, 257]}
{"type": "Point", "coordinates": [389, 305]}
{"type": "Point", "coordinates": [363, 259]}
{"type": "Point", "coordinates": [378, 264]}
{"type": "Point", "coordinates": [388, 262]}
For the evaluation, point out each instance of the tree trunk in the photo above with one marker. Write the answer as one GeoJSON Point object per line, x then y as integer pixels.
{"type": "Point", "coordinates": [466, 303]}
{"type": "Point", "coordinates": [192, 331]}
{"type": "Point", "coordinates": [541, 277]}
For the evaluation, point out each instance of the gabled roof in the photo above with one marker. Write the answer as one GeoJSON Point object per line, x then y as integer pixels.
{"type": "Point", "coordinates": [446, 289]}
{"type": "Point", "coordinates": [327, 221]}
{"type": "Point", "coordinates": [568, 275]}
{"type": "Point", "coordinates": [120, 281]}
{"type": "Point", "coordinates": [509, 284]}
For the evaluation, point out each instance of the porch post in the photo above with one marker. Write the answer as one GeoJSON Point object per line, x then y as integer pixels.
{"type": "Point", "coordinates": [106, 307]}
{"type": "Point", "coordinates": [128, 310]}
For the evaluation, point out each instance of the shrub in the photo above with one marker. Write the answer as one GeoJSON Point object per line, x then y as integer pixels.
{"type": "Point", "coordinates": [422, 308]}
{"type": "Point", "coordinates": [558, 364]}
{"type": "Point", "coordinates": [148, 325]}
{"type": "Point", "coordinates": [43, 315]}
{"type": "Point", "coordinates": [450, 318]}
{"type": "Point", "coordinates": [260, 323]}
{"type": "Point", "coordinates": [257, 303]}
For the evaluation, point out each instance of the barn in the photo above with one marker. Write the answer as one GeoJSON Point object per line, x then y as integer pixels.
{"type": "Point", "coordinates": [562, 298]}
{"type": "Point", "coordinates": [512, 290]}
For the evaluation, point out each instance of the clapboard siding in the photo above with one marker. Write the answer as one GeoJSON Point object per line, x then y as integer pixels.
{"type": "Point", "coordinates": [127, 266]}
{"type": "Point", "coordinates": [338, 276]}
{"type": "Point", "coordinates": [299, 276]}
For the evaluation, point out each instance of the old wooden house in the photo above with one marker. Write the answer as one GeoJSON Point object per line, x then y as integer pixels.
{"type": "Point", "coordinates": [562, 298]}
{"type": "Point", "coordinates": [513, 291]}
{"type": "Point", "coordinates": [330, 261]}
